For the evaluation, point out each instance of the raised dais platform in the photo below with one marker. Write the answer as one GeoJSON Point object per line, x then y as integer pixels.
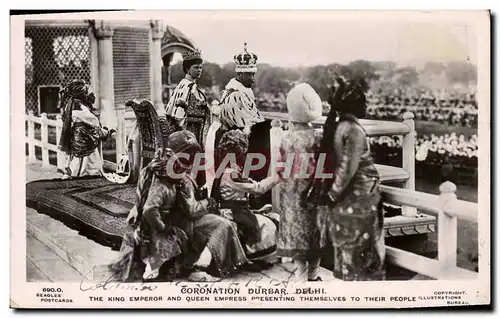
{"type": "Point", "coordinates": [79, 258]}
{"type": "Point", "coordinates": [93, 206]}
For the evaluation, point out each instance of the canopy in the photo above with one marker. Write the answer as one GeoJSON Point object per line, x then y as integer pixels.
{"type": "Point", "coordinates": [173, 40]}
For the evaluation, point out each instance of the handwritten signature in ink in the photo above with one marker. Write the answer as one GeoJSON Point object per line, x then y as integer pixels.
{"type": "Point", "coordinates": [111, 284]}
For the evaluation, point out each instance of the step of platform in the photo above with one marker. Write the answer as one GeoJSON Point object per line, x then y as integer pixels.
{"type": "Point", "coordinates": [44, 265]}
{"type": "Point", "coordinates": [58, 253]}
{"type": "Point", "coordinates": [79, 257]}
{"type": "Point", "coordinates": [79, 252]}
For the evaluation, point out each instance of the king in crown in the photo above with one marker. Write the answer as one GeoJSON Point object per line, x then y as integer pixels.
{"type": "Point", "coordinates": [246, 62]}
{"type": "Point", "coordinates": [236, 108]}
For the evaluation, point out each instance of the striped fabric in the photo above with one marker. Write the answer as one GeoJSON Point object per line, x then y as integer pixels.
{"type": "Point", "coordinates": [85, 139]}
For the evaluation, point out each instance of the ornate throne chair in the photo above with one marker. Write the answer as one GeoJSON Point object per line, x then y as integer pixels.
{"type": "Point", "coordinates": [149, 134]}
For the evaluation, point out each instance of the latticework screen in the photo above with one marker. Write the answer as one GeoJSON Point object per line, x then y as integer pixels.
{"type": "Point", "coordinates": [131, 64]}
{"type": "Point", "coordinates": [54, 55]}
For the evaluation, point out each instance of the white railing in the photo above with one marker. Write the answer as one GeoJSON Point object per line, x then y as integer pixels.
{"type": "Point", "coordinates": [448, 210]}
{"type": "Point", "coordinates": [43, 142]}
{"type": "Point", "coordinates": [46, 146]}
{"type": "Point", "coordinates": [121, 135]}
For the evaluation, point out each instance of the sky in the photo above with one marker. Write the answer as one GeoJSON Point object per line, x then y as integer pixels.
{"type": "Point", "coordinates": [324, 38]}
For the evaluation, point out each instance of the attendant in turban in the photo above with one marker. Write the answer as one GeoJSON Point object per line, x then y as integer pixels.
{"type": "Point", "coordinates": [152, 241]}
{"type": "Point", "coordinates": [352, 220]}
{"type": "Point", "coordinates": [297, 231]}
{"type": "Point", "coordinates": [81, 131]}
{"type": "Point", "coordinates": [214, 238]}
{"type": "Point", "coordinates": [257, 229]}
{"type": "Point", "coordinates": [170, 213]}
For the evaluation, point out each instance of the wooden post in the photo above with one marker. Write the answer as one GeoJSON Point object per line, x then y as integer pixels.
{"type": "Point", "coordinates": [120, 134]}
{"type": "Point", "coordinates": [61, 156]}
{"type": "Point", "coordinates": [409, 159]}
{"type": "Point", "coordinates": [44, 131]}
{"type": "Point", "coordinates": [447, 228]}
{"type": "Point", "coordinates": [31, 137]}
{"type": "Point", "coordinates": [210, 145]}
{"type": "Point", "coordinates": [275, 142]}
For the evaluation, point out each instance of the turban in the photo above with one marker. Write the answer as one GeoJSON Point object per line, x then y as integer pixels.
{"type": "Point", "coordinates": [77, 89]}
{"type": "Point", "coordinates": [234, 141]}
{"type": "Point", "coordinates": [184, 141]}
{"type": "Point", "coordinates": [303, 103]}
{"type": "Point", "coordinates": [349, 97]}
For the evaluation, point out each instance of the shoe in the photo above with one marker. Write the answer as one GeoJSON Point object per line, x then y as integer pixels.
{"type": "Point", "coordinates": [199, 276]}
{"type": "Point", "coordinates": [149, 273]}
{"type": "Point", "coordinates": [251, 267]}
{"type": "Point", "coordinates": [317, 279]}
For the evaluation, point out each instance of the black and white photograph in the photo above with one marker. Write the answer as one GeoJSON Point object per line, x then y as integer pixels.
{"type": "Point", "coordinates": [252, 158]}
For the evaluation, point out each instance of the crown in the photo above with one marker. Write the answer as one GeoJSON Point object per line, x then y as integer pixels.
{"type": "Point", "coordinates": [192, 55]}
{"type": "Point", "coordinates": [245, 61]}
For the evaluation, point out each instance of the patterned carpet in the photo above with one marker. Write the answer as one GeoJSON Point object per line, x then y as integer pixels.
{"type": "Point", "coordinates": [93, 206]}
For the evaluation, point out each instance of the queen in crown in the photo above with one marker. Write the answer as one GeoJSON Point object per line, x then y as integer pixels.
{"type": "Point", "coordinates": [187, 107]}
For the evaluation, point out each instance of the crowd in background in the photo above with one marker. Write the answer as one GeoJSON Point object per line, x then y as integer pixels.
{"type": "Point", "coordinates": [453, 149]}
{"type": "Point", "coordinates": [424, 98]}
{"type": "Point", "coordinates": [444, 107]}
{"type": "Point", "coordinates": [452, 110]}
{"type": "Point", "coordinates": [449, 108]}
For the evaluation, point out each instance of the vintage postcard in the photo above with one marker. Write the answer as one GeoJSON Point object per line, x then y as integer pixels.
{"type": "Point", "coordinates": [241, 159]}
